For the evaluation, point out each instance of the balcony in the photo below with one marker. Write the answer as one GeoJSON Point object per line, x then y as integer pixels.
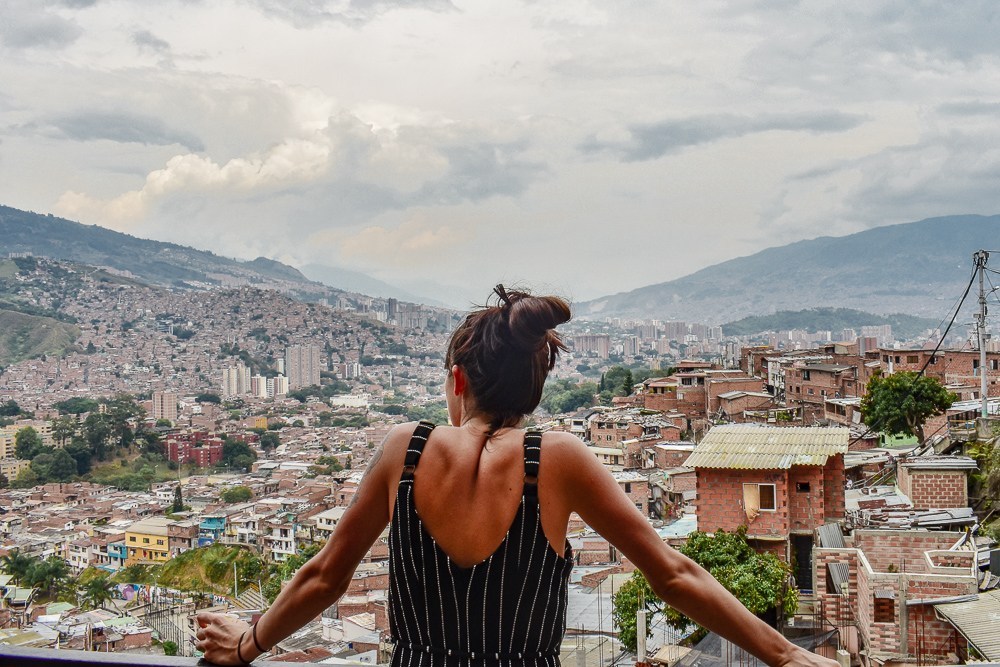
{"type": "Point", "coordinates": [46, 657]}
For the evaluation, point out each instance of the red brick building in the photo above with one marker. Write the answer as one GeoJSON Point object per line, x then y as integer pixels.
{"type": "Point", "coordinates": [879, 588]}
{"type": "Point", "coordinates": [781, 483]}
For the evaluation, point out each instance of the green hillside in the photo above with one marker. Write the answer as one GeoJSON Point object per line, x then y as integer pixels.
{"type": "Point", "coordinates": [828, 319]}
{"type": "Point", "coordinates": [24, 336]}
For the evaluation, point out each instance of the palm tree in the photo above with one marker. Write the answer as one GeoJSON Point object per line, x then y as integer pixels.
{"type": "Point", "coordinates": [17, 564]}
{"type": "Point", "coordinates": [52, 574]}
{"type": "Point", "coordinates": [97, 592]}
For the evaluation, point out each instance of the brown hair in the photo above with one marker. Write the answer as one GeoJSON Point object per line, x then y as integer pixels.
{"type": "Point", "coordinates": [506, 351]}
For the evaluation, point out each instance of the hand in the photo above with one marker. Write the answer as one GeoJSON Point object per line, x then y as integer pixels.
{"type": "Point", "coordinates": [218, 635]}
{"type": "Point", "coordinates": [800, 656]}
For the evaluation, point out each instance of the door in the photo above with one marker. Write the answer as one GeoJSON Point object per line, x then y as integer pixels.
{"type": "Point", "coordinates": [802, 553]}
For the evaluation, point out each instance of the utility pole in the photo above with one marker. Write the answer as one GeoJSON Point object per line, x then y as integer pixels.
{"type": "Point", "coordinates": [980, 259]}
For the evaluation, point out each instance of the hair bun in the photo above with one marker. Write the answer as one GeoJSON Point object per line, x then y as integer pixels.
{"type": "Point", "coordinates": [532, 318]}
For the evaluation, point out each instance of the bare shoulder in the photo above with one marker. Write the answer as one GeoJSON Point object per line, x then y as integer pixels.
{"type": "Point", "coordinates": [565, 454]}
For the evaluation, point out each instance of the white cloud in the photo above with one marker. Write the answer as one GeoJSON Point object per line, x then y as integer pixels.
{"type": "Point", "coordinates": [374, 133]}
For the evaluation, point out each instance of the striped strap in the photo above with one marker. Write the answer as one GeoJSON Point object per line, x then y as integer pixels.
{"type": "Point", "coordinates": [532, 458]}
{"type": "Point", "coordinates": [416, 447]}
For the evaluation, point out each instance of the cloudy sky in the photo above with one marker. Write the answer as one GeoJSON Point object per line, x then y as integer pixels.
{"type": "Point", "coordinates": [585, 147]}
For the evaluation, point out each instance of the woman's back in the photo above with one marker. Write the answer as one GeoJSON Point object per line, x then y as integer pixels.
{"type": "Point", "coordinates": [497, 594]}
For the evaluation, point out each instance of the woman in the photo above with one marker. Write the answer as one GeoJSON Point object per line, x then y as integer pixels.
{"type": "Point", "coordinates": [478, 511]}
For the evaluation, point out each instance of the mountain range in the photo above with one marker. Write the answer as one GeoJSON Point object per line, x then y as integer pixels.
{"type": "Point", "coordinates": [919, 268]}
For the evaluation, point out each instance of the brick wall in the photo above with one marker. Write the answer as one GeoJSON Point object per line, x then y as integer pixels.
{"type": "Point", "coordinates": [374, 582]}
{"type": "Point", "coordinates": [930, 489]}
{"type": "Point", "coordinates": [834, 479]}
{"type": "Point", "coordinates": [670, 458]}
{"type": "Point", "coordinates": [807, 506]}
{"type": "Point", "coordinates": [720, 501]}
{"type": "Point", "coordinates": [903, 550]}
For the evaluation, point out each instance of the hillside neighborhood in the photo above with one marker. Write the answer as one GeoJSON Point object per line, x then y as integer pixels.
{"type": "Point", "coordinates": [191, 448]}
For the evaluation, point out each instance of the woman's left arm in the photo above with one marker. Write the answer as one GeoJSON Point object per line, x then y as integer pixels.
{"type": "Point", "coordinates": [324, 578]}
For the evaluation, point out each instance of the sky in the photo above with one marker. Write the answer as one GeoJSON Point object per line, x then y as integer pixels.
{"type": "Point", "coordinates": [584, 148]}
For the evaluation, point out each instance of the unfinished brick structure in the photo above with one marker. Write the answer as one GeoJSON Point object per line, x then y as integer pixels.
{"type": "Point", "coordinates": [879, 589]}
{"type": "Point", "coordinates": [934, 482]}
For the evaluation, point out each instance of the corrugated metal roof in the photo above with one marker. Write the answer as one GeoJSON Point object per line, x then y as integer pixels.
{"type": "Point", "coordinates": [830, 536]}
{"type": "Point", "coordinates": [748, 446]}
{"type": "Point", "coordinates": [978, 621]}
{"type": "Point", "coordinates": [839, 574]}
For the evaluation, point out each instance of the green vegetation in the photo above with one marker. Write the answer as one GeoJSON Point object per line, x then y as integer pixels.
{"type": "Point", "coordinates": [827, 319]}
{"type": "Point", "coordinates": [900, 404]}
{"type": "Point", "coordinates": [236, 494]}
{"type": "Point", "coordinates": [561, 396]}
{"type": "Point", "coordinates": [759, 581]}
{"type": "Point", "coordinates": [23, 336]}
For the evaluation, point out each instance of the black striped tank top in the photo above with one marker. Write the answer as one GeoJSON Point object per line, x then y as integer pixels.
{"type": "Point", "coordinates": [508, 610]}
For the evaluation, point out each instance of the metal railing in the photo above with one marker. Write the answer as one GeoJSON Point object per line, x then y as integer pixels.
{"type": "Point", "coordinates": [47, 657]}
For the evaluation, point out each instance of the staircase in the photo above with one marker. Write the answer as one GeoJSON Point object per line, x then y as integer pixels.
{"type": "Point", "coordinates": [251, 598]}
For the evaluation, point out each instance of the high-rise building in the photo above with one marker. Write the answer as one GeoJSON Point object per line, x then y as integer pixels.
{"type": "Point", "coordinates": [258, 386]}
{"type": "Point", "coordinates": [302, 365]}
{"type": "Point", "coordinates": [165, 405]}
{"type": "Point", "coordinates": [235, 381]}
{"type": "Point", "coordinates": [277, 386]}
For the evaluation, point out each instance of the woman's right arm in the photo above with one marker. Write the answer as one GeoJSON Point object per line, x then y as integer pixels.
{"type": "Point", "coordinates": [591, 491]}
{"type": "Point", "coordinates": [325, 577]}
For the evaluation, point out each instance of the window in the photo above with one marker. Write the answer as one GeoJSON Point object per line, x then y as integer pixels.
{"type": "Point", "coordinates": [802, 487]}
{"type": "Point", "coordinates": [912, 359]}
{"type": "Point", "coordinates": [805, 375]}
{"type": "Point", "coordinates": [810, 391]}
{"type": "Point", "coordinates": [896, 358]}
{"type": "Point", "coordinates": [628, 487]}
{"type": "Point", "coordinates": [758, 498]}
{"type": "Point", "coordinates": [131, 538]}
{"type": "Point", "coordinates": [885, 607]}
{"type": "Point", "coordinates": [160, 542]}
{"type": "Point", "coordinates": [145, 540]}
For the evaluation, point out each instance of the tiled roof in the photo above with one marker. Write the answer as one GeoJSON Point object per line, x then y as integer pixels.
{"type": "Point", "coordinates": [747, 446]}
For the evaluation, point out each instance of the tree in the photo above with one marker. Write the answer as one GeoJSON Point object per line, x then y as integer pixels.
{"type": "Point", "coordinates": [17, 564]}
{"type": "Point", "coordinates": [63, 428]}
{"type": "Point", "coordinates": [51, 574]}
{"type": "Point", "coordinates": [208, 397]}
{"type": "Point", "coordinates": [97, 592]}
{"type": "Point", "coordinates": [759, 581]}
{"type": "Point", "coordinates": [27, 444]}
{"type": "Point", "coordinates": [237, 454]}
{"type": "Point", "coordinates": [80, 452]}
{"type": "Point", "coordinates": [178, 505]}
{"type": "Point", "coordinates": [169, 647]}
{"type": "Point", "coordinates": [900, 404]}
{"type": "Point", "coordinates": [269, 440]}
{"type": "Point", "coordinates": [634, 594]}
{"type": "Point", "coordinates": [236, 494]}
{"type": "Point", "coordinates": [10, 409]}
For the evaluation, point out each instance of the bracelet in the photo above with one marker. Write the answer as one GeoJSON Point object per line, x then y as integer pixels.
{"type": "Point", "coordinates": [239, 645]}
{"type": "Point", "coordinates": [253, 635]}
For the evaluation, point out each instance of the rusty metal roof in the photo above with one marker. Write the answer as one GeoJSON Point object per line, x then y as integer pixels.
{"type": "Point", "coordinates": [748, 446]}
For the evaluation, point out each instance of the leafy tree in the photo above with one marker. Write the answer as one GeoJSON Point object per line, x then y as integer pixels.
{"type": "Point", "coordinates": [178, 505]}
{"type": "Point", "coordinates": [565, 396]}
{"type": "Point", "coordinates": [54, 466]}
{"type": "Point", "coordinates": [27, 443]}
{"type": "Point", "coordinates": [63, 428]}
{"type": "Point", "coordinates": [10, 409]}
{"type": "Point", "coordinates": [269, 440]}
{"type": "Point", "coordinates": [236, 494]}
{"type": "Point", "coordinates": [900, 404]}
{"type": "Point", "coordinates": [97, 433]}
{"type": "Point", "coordinates": [76, 405]}
{"type": "Point", "coordinates": [80, 452]}
{"type": "Point", "coordinates": [759, 581]}
{"type": "Point", "coordinates": [237, 454]}
{"type": "Point", "coordinates": [633, 595]}
{"type": "Point", "coordinates": [169, 647]}
{"type": "Point", "coordinates": [627, 383]}
{"type": "Point", "coordinates": [392, 409]}
{"type": "Point", "coordinates": [208, 397]}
